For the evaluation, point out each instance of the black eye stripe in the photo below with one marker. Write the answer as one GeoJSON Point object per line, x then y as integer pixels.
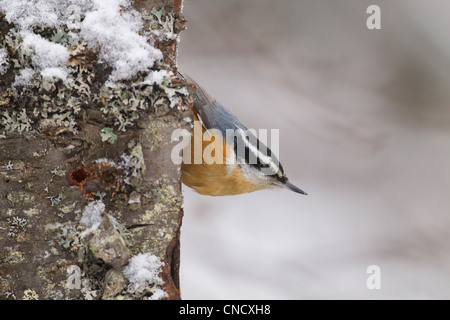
{"type": "Point", "coordinates": [245, 153]}
{"type": "Point", "coordinates": [253, 160]}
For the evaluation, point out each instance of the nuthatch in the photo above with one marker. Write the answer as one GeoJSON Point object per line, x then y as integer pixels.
{"type": "Point", "coordinates": [236, 174]}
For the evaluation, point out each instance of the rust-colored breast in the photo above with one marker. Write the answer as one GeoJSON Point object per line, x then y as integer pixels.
{"type": "Point", "coordinates": [214, 179]}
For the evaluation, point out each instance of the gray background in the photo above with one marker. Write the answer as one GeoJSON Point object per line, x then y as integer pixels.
{"type": "Point", "coordinates": [364, 125]}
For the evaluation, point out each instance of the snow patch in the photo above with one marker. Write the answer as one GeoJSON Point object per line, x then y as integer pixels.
{"type": "Point", "coordinates": [92, 217]}
{"type": "Point", "coordinates": [106, 161]}
{"type": "Point", "coordinates": [114, 32]}
{"type": "Point", "coordinates": [23, 77]}
{"type": "Point", "coordinates": [3, 60]}
{"type": "Point", "coordinates": [51, 13]}
{"type": "Point", "coordinates": [48, 57]}
{"type": "Point", "coordinates": [46, 54]}
{"type": "Point", "coordinates": [110, 27]}
{"type": "Point", "coordinates": [143, 270]}
{"type": "Point", "coordinates": [156, 77]}
{"type": "Point", "coordinates": [58, 73]}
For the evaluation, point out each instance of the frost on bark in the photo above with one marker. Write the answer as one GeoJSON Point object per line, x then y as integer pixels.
{"type": "Point", "coordinates": [90, 201]}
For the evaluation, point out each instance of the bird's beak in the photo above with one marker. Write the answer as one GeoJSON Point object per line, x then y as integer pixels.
{"type": "Point", "coordinates": [286, 184]}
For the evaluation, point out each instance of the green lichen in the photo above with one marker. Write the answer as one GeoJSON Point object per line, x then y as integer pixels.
{"type": "Point", "coordinates": [166, 193]}
{"type": "Point", "coordinates": [58, 172]}
{"type": "Point", "coordinates": [31, 212]}
{"type": "Point", "coordinates": [51, 107]}
{"type": "Point", "coordinates": [13, 257]}
{"type": "Point", "coordinates": [121, 104]}
{"type": "Point", "coordinates": [69, 238]}
{"type": "Point", "coordinates": [166, 198]}
{"type": "Point", "coordinates": [12, 43]}
{"type": "Point", "coordinates": [162, 25]}
{"type": "Point", "coordinates": [20, 197]}
{"type": "Point", "coordinates": [137, 161]}
{"type": "Point", "coordinates": [49, 288]}
{"type": "Point", "coordinates": [107, 134]}
{"type": "Point", "coordinates": [64, 209]}
{"type": "Point", "coordinates": [51, 102]}
{"type": "Point", "coordinates": [153, 130]}
{"type": "Point", "coordinates": [16, 122]}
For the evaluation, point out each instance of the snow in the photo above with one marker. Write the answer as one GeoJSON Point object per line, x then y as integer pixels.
{"type": "Point", "coordinates": [58, 73]}
{"type": "Point", "coordinates": [3, 57]}
{"type": "Point", "coordinates": [92, 216]}
{"type": "Point", "coordinates": [23, 77]}
{"type": "Point", "coordinates": [125, 162]}
{"type": "Point", "coordinates": [106, 161]}
{"type": "Point", "coordinates": [109, 26]}
{"type": "Point", "coordinates": [48, 57]}
{"type": "Point", "coordinates": [158, 295]}
{"type": "Point", "coordinates": [156, 77]}
{"type": "Point", "coordinates": [115, 33]}
{"type": "Point", "coordinates": [25, 13]}
{"type": "Point", "coordinates": [47, 54]}
{"type": "Point", "coordinates": [143, 269]}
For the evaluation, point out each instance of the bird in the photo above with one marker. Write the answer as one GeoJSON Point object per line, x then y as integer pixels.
{"type": "Point", "coordinates": [245, 163]}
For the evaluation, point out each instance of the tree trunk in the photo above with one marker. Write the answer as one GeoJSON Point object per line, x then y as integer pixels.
{"type": "Point", "coordinates": [90, 202]}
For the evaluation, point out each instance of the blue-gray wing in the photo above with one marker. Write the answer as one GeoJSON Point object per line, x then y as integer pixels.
{"type": "Point", "coordinates": [212, 114]}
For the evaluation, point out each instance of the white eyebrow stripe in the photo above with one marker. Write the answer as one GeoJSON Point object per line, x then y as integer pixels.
{"type": "Point", "coordinates": [266, 159]}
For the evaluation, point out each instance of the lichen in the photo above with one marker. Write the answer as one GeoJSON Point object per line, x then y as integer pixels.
{"type": "Point", "coordinates": [16, 121]}
{"type": "Point", "coordinates": [16, 225]}
{"type": "Point", "coordinates": [107, 134]}
{"type": "Point", "coordinates": [137, 161]}
{"type": "Point", "coordinates": [9, 295]}
{"type": "Point", "coordinates": [153, 131]}
{"type": "Point", "coordinates": [31, 212]}
{"type": "Point", "coordinates": [69, 238]}
{"type": "Point", "coordinates": [48, 101]}
{"type": "Point", "coordinates": [37, 105]}
{"type": "Point", "coordinates": [58, 172]}
{"type": "Point", "coordinates": [13, 257]}
{"type": "Point", "coordinates": [54, 200]}
{"type": "Point", "coordinates": [9, 166]}
{"type": "Point", "coordinates": [30, 294]}
{"type": "Point", "coordinates": [162, 25]}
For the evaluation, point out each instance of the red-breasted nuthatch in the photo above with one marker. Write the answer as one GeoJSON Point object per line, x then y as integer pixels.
{"type": "Point", "coordinates": [248, 165]}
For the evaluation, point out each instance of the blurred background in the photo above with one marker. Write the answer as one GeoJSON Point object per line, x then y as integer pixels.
{"type": "Point", "coordinates": [364, 119]}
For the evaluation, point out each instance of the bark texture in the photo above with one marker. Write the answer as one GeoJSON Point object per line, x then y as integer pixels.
{"type": "Point", "coordinates": [68, 149]}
